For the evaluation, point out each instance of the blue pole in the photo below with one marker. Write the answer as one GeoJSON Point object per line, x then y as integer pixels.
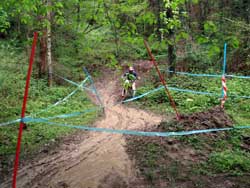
{"type": "Point", "coordinates": [93, 85]}
{"type": "Point", "coordinates": [225, 59]}
{"type": "Point", "coordinates": [224, 64]}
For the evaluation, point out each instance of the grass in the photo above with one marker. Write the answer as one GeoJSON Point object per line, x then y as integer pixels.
{"type": "Point", "coordinates": [238, 108]}
{"type": "Point", "coordinates": [227, 156]}
{"type": "Point", "coordinates": [13, 67]}
{"type": "Point", "coordinates": [230, 161]}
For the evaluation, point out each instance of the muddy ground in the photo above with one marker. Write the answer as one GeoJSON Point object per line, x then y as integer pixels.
{"type": "Point", "coordinates": [178, 162]}
{"type": "Point", "coordinates": [98, 159]}
{"type": "Point", "coordinates": [103, 160]}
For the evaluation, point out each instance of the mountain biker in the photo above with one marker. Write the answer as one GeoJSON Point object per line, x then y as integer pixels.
{"type": "Point", "coordinates": [131, 76]}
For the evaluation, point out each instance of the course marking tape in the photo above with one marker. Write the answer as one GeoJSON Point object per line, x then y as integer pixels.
{"type": "Point", "coordinates": [137, 133]}
{"type": "Point", "coordinates": [10, 122]}
{"type": "Point", "coordinates": [207, 75]}
{"type": "Point", "coordinates": [93, 86]}
{"type": "Point", "coordinates": [62, 100]}
{"type": "Point", "coordinates": [129, 100]}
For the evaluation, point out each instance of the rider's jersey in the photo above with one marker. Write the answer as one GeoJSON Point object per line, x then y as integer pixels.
{"type": "Point", "coordinates": [130, 76]}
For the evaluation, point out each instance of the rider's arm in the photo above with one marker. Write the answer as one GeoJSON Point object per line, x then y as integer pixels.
{"type": "Point", "coordinates": [124, 75]}
{"type": "Point", "coordinates": [136, 75]}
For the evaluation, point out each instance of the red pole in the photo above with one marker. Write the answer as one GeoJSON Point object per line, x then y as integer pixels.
{"type": "Point", "coordinates": [18, 147]}
{"type": "Point", "coordinates": [162, 80]}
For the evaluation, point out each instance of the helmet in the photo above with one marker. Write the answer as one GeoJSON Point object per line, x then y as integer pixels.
{"type": "Point", "coordinates": [131, 68]}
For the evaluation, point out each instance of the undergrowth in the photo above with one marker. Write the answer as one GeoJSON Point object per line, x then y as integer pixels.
{"type": "Point", "coordinates": [13, 68]}
{"type": "Point", "coordinates": [229, 155]}
{"type": "Point", "coordinates": [238, 108]}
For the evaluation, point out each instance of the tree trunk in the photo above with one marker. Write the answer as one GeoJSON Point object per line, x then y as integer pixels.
{"type": "Point", "coordinates": [189, 10]}
{"type": "Point", "coordinates": [49, 54]}
{"type": "Point", "coordinates": [78, 20]}
{"type": "Point", "coordinates": [246, 5]}
{"type": "Point", "coordinates": [171, 58]}
{"type": "Point", "coordinates": [78, 11]}
{"type": "Point", "coordinates": [171, 46]}
{"type": "Point", "coordinates": [27, 38]}
{"type": "Point", "coordinates": [201, 16]}
{"type": "Point", "coordinates": [113, 28]}
{"type": "Point", "coordinates": [43, 52]}
{"type": "Point", "coordinates": [158, 9]}
{"type": "Point", "coordinates": [156, 6]}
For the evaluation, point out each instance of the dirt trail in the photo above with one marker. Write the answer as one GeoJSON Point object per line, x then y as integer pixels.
{"type": "Point", "coordinates": [97, 161]}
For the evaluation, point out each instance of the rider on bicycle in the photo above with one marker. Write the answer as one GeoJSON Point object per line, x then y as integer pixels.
{"type": "Point", "coordinates": [131, 76]}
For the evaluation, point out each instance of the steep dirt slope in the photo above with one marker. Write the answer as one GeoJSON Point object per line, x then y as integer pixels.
{"type": "Point", "coordinates": [99, 160]}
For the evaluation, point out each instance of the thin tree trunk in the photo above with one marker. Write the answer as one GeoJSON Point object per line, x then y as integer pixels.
{"type": "Point", "coordinates": [159, 20]}
{"type": "Point", "coordinates": [171, 47]}
{"type": "Point", "coordinates": [171, 58]}
{"type": "Point", "coordinates": [19, 26]}
{"type": "Point", "coordinates": [78, 20]}
{"type": "Point", "coordinates": [78, 14]}
{"type": "Point", "coordinates": [49, 54]}
{"type": "Point", "coordinates": [202, 16]}
{"type": "Point", "coordinates": [113, 27]}
{"type": "Point", "coordinates": [27, 37]}
{"type": "Point", "coordinates": [43, 52]}
{"type": "Point", "coordinates": [246, 5]}
{"type": "Point", "coordinates": [189, 10]}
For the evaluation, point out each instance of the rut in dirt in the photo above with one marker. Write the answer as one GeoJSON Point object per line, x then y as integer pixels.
{"type": "Point", "coordinates": [98, 161]}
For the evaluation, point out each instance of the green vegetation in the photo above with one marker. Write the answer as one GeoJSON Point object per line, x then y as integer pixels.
{"type": "Point", "coordinates": [230, 161]}
{"type": "Point", "coordinates": [105, 33]}
{"type": "Point", "coordinates": [201, 159]}
{"type": "Point", "coordinates": [99, 34]}
{"type": "Point", "coordinates": [221, 154]}
{"type": "Point", "coordinates": [238, 108]}
{"type": "Point", "coordinates": [12, 75]}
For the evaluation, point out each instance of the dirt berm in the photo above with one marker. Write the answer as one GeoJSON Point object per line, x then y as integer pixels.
{"type": "Point", "coordinates": [177, 161]}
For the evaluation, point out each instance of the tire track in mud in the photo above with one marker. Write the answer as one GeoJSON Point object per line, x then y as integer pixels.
{"type": "Point", "coordinates": [100, 155]}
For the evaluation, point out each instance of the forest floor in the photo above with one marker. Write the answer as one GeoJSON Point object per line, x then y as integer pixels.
{"type": "Point", "coordinates": [94, 160]}
{"type": "Point", "coordinates": [103, 160]}
{"type": "Point", "coordinates": [181, 162]}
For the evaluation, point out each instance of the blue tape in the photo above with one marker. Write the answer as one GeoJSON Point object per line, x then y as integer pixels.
{"type": "Point", "coordinates": [137, 133]}
{"type": "Point", "coordinates": [10, 122]}
{"type": "Point", "coordinates": [207, 75]}
{"type": "Point", "coordinates": [64, 99]}
{"type": "Point", "coordinates": [57, 103]}
{"type": "Point", "coordinates": [173, 89]}
{"type": "Point", "coordinates": [224, 69]}
{"type": "Point", "coordinates": [182, 90]}
{"type": "Point", "coordinates": [91, 90]}
{"type": "Point", "coordinates": [206, 93]}
{"type": "Point", "coordinates": [192, 91]}
{"type": "Point", "coordinates": [54, 117]}
{"type": "Point", "coordinates": [129, 100]}
{"type": "Point", "coordinates": [93, 86]}
{"type": "Point", "coordinates": [144, 94]}
{"type": "Point", "coordinates": [234, 76]}
{"type": "Point", "coordinates": [198, 75]}
{"type": "Point", "coordinates": [224, 60]}
{"type": "Point", "coordinates": [237, 96]}
{"type": "Point", "coordinates": [73, 83]}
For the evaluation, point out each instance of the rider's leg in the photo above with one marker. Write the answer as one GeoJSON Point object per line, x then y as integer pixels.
{"type": "Point", "coordinates": [123, 92]}
{"type": "Point", "coordinates": [133, 88]}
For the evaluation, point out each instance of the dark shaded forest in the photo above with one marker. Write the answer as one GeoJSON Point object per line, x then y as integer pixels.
{"type": "Point", "coordinates": [185, 34]}
{"type": "Point", "coordinates": [66, 104]}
